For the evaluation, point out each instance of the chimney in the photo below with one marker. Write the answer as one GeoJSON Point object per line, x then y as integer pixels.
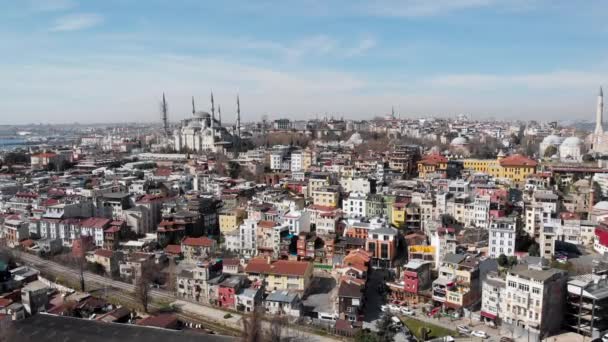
{"type": "Point", "coordinates": [268, 259]}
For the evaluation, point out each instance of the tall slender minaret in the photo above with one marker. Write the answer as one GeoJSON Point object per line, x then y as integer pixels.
{"type": "Point", "coordinates": [219, 115]}
{"type": "Point", "coordinates": [193, 108]}
{"type": "Point", "coordinates": [164, 115]}
{"type": "Point", "coordinates": [599, 114]}
{"type": "Point", "coordinates": [238, 117]}
{"type": "Point", "coordinates": [212, 109]}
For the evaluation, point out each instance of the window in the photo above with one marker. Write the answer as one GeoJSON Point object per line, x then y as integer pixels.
{"type": "Point", "coordinates": [524, 287]}
{"type": "Point", "coordinates": [512, 284]}
{"type": "Point", "coordinates": [536, 290]}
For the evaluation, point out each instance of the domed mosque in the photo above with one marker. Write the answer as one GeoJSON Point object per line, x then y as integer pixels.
{"type": "Point", "coordinates": [571, 150]}
{"type": "Point", "coordinates": [460, 145]}
{"type": "Point", "coordinates": [203, 132]}
{"type": "Point", "coordinates": [550, 140]}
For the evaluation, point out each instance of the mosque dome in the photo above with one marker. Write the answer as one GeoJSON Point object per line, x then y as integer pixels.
{"type": "Point", "coordinates": [552, 140]}
{"type": "Point", "coordinates": [459, 141]}
{"type": "Point", "coordinates": [572, 142]}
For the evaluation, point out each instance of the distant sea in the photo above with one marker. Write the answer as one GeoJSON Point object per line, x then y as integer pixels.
{"type": "Point", "coordinates": [9, 144]}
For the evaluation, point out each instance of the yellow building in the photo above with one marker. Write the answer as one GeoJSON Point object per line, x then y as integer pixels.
{"type": "Point", "coordinates": [231, 219]}
{"type": "Point", "coordinates": [432, 163]}
{"type": "Point", "coordinates": [306, 159]}
{"type": "Point", "coordinates": [515, 167]}
{"type": "Point", "coordinates": [281, 274]}
{"type": "Point", "coordinates": [326, 196]}
{"type": "Point", "coordinates": [398, 212]}
{"type": "Point", "coordinates": [316, 182]}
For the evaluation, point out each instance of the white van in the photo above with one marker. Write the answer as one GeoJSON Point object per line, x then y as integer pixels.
{"type": "Point", "coordinates": [396, 321]}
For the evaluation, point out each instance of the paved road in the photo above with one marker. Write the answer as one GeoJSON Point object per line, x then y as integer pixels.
{"type": "Point", "coordinates": [208, 312]}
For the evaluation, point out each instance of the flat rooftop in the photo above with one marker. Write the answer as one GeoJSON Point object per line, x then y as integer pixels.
{"type": "Point", "coordinates": [51, 328]}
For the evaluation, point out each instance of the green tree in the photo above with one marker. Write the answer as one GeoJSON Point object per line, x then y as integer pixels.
{"type": "Point", "coordinates": [364, 335]}
{"type": "Point", "coordinates": [534, 250]}
{"type": "Point", "coordinates": [385, 333]}
{"type": "Point", "coordinates": [234, 169]}
{"type": "Point", "coordinates": [512, 261]}
{"type": "Point", "coordinates": [503, 261]}
{"type": "Point", "coordinates": [550, 151]}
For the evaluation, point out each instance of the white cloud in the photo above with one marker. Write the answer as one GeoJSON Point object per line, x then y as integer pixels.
{"type": "Point", "coordinates": [76, 22]}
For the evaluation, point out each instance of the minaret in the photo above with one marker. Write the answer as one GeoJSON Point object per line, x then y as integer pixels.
{"type": "Point", "coordinates": [238, 117]}
{"type": "Point", "coordinates": [193, 108]}
{"type": "Point", "coordinates": [164, 115]}
{"type": "Point", "coordinates": [212, 110]}
{"type": "Point", "coordinates": [393, 112]}
{"type": "Point", "coordinates": [219, 115]}
{"type": "Point", "coordinates": [599, 114]}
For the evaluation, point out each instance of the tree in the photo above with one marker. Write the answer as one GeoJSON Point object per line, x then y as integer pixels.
{"type": "Point", "coordinates": [96, 268]}
{"type": "Point", "coordinates": [276, 329]}
{"type": "Point", "coordinates": [423, 332]}
{"type": "Point", "coordinates": [385, 333]}
{"type": "Point", "coordinates": [534, 250]}
{"type": "Point", "coordinates": [550, 151]}
{"type": "Point", "coordinates": [234, 169]}
{"type": "Point", "coordinates": [142, 287]}
{"type": "Point", "coordinates": [502, 260]}
{"type": "Point", "coordinates": [252, 327]}
{"type": "Point", "coordinates": [364, 335]}
{"type": "Point", "coordinates": [512, 261]}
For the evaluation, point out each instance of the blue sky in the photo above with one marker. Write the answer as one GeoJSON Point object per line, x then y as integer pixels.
{"type": "Point", "coordinates": [110, 60]}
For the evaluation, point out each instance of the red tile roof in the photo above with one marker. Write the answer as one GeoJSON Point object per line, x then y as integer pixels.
{"type": "Point", "coordinates": [231, 262]}
{"type": "Point", "coordinates": [27, 243]}
{"type": "Point", "coordinates": [280, 267]}
{"type": "Point", "coordinates": [104, 253]}
{"type": "Point", "coordinates": [200, 241]}
{"type": "Point", "coordinates": [4, 302]}
{"type": "Point", "coordinates": [95, 222]}
{"type": "Point", "coordinates": [433, 159]}
{"type": "Point", "coordinates": [267, 224]}
{"type": "Point", "coordinates": [517, 160]}
{"type": "Point", "coordinates": [173, 249]}
{"type": "Point", "coordinates": [159, 321]}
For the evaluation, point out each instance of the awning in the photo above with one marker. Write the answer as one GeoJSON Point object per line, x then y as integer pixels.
{"type": "Point", "coordinates": [488, 315]}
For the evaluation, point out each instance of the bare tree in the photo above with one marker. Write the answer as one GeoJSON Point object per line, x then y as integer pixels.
{"type": "Point", "coordinates": [252, 326]}
{"type": "Point", "coordinates": [277, 326]}
{"type": "Point", "coordinates": [142, 287]}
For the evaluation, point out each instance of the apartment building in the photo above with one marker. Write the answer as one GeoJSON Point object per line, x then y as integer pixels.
{"type": "Point", "coordinates": [502, 236]}
{"type": "Point", "coordinates": [535, 298]}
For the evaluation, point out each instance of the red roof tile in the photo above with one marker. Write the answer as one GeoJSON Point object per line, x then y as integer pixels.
{"type": "Point", "coordinates": [173, 249]}
{"type": "Point", "coordinates": [104, 253]}
{"type": "Point", "coordinates": [433, 159]}
{"type": "Point", "coordinates": [267, 224]}
{"type": "Point", "coordinates": [95, 222]}
{"type": "Point", "coordinates": [200, 241]}
{"type": "Point", "coordinates": [517, 160]}
{"type": "Point", "coordinates": [280, 267]}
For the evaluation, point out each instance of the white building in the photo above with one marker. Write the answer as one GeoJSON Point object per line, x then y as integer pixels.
{"type": "Point", "coordinates": [247, 237]}
{"type": "Point", "coordinates": [296, 161]}
{"type": "Point", "coordinates": [502, 237]}
{"type": "Point", "coordinates": [202, 132]}
{"type": "Point", "coordinates": [534, 298]}
{"type": "Point", "coordinates": [481, 214]}
{"type": "Point", "coordinates": [298, 221]}
{"type": "Point", "coordinates": [355, 205]}
{"type": "Point", "coordinates": [571, 150]}
{"type": "Point", "coordinates": [492, 294]}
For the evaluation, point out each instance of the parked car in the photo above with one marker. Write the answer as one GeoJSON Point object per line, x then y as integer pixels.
{"type": "Point", "coordinates": [506, 339]}
{"type": "Point", "coordinates": [396, 321]}
{"type": "Point", "coordinates": [407, 311]}
{"type": "Point", "coordinates": [384, 308]}
{"type": "Point", "coordinates": [463, 329]}
{"type": "Point", "coordinates": [479, 333]}
{"type": "Point", "coordinates": [605, 338]}
{"type": "Point", "coordinates": [393, 308]}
